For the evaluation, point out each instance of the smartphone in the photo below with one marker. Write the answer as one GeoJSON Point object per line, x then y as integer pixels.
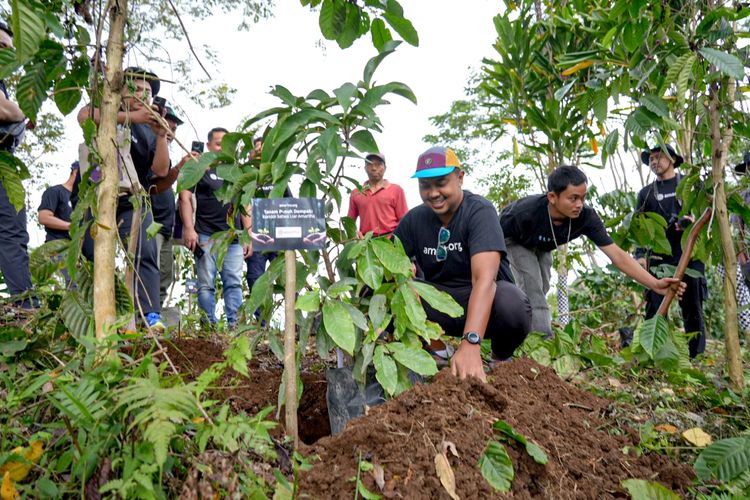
{"type": "Point", "coordinates": [196, 147]}
{"type": "Point", "coordinates": [160, 104]}
{"type": "Point", "coordinates": [198, 251]}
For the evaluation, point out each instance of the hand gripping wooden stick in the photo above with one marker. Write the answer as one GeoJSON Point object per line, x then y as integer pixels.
{"type": "Point", "coordinates": [685, 259]}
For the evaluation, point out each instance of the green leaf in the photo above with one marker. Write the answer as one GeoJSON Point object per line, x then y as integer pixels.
{"type": "Point", "coordinates": [11, 180]}
{"type": "Point", "coordinates": [728, 64]}
{"type": "Point", "coordinates": [193, 170]}
{"type": "Point", "coordinates": [403, 27]}
{"type": "Point", "coordinates": [416, 359]}
{"type": "Point", "coordinates": [438, 299]}
{"type": "Point", "coordinates": [640, 489]}
{"type": "Point", "coordinates": [339, 325]}
{"type": "Point", "coordinates": [377, 309]}
{"type": "Point", "coordinates": [345, 95]}
{"type": "Point", "coordinates": [363, 141]}
{"type": "Point", "coordinates": [389, 46]}
{"type": "Point", "coordinates": [496, 467]}
{"type": "Point", "coordinates": [28, 29]}
{"type": "Point", "coordinates": [369, 269]}
{"type": "Point", "coordinates": [8, 63]}
{"type": "Point", "coordinates": [653, 333]}
{"type": "Point", "coordinates": [31, 90]}
{"type": "Point", "coordinates": [385, 370]}
{"type": "Point", "coordinates": [332, 18]}
{"type": "Point", "coordinates": [351, 29]}
{"type": "Point", "coordinates": [380, 36]}
{"type": "Point", "coordinates": [153, 229]}
{"type": "Point", "coordinates": [67, 95]}
{"type": "Point", "coordinates": [309, 302]}
{"type": "Point", "coordinates": [392, 259]}
{"type": "Point", "coordinates": [724, 460]}
{"type": "Point", "coordinates": [532, 448]}
{"type": "Point", "coordinates": [655, 104]}
{"type": "Point", "coordinates": [414, 310]}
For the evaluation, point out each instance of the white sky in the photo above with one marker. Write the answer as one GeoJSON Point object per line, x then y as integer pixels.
{"type": "Point", "coordinates": [288, 49]}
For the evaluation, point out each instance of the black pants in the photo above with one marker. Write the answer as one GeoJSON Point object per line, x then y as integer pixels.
{"type": "Point", "coordinates": [509, 323]}
{"type": "Point", "coordinates": [14, 240]}
{"type": "Point", "coordinates": [692, 311]}
{"type": "Point", "coordinates": [146, 267]}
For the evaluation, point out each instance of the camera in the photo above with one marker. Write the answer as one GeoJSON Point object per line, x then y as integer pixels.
{"type": "Point", "coordinates": [198, 251]}
{"type": "Point", "coordinates": [160, 104]}
{"type": "Point", "coordinates": [196, 147]}
{"type": "Point", "coordinates": [681, 222]}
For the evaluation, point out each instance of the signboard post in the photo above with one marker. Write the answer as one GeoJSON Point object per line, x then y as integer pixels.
{"type": "Point", "coordinates": [289, 224]}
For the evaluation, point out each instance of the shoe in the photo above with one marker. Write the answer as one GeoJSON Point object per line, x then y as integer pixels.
{"type": "Point", "coordinates": [155, 323]}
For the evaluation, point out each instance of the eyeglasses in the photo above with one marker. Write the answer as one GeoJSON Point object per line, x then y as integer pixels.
{"type": "Point", "coordinates": [442, 251]}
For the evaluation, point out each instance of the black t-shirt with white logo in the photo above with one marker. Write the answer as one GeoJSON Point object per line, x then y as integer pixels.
{"type": "Point", "coordinates": [210, 213]}
{"type": "Point", "coordinates": [56, 199]}
{"type": "Point", "coordinates": [527, 222]}
{"type": "Point", "coordinates": [475, 228]}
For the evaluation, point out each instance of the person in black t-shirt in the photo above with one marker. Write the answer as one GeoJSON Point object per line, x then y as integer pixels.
{"type": "Point", "coordinates": [150, 153]}
{"type": "Point", "coordinates": [211, 216]}
{"type": "Point", "coordinates": [55, 209]}
{"type": "Point", "coordinates": [537, 224]}
{"type": "Point", "coordinates": [14, 237]}
{"type": "Point", "coordinates": [661, 197]}
{"type": "Point", "coordinates": [456, 243]}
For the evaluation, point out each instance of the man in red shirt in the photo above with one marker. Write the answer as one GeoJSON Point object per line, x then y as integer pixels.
{"type": "Point", "coordinates": [380, 205]}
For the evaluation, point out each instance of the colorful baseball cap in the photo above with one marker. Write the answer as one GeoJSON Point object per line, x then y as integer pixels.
{"type": "Point", "coordinates": [436, 162]}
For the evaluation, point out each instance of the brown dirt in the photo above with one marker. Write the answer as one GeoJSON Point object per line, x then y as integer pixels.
{"type": "Point", "coordinates": [261, 389]}
{"type": "Point", "coordinates": [585, 461]}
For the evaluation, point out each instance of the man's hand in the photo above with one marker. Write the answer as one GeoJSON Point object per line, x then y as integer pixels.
{"type": "Point", "coordinates": [643, 263]}
{"type": "Point", "coordinates": [467, 362]}
{"type": "Point", "coordinates": [190, 237]}
{"type": "Point", "coordinates": [247, 251]}
{"type": "Point", "coordinates": [663, 285]}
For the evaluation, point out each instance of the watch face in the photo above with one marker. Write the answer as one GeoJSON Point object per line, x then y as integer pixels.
{"type": "Point", "coordinates": [473, 337]}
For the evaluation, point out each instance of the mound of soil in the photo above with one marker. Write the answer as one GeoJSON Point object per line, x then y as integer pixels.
{"type": "Point", "coordinates": [261, 389]}
{"type": "Point", "coordinates": [402, 436]}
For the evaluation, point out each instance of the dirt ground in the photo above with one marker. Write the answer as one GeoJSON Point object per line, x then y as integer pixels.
{"type": "Point", "coordinates": [585, 448]}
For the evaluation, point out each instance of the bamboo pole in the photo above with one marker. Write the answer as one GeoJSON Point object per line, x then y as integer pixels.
{"type": "Point", "coordinates": [290, 346]}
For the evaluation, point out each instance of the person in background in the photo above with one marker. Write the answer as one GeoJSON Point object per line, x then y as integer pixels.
{"type": "Point", "coordinates": [456, 242]}
{"type": "Point", "coordinates": [211, 216]}
{"type": "Point", "coordinates": [380, 204]}
{"type": "Point", "coordinates": [14, 237]}
{"type": "Point", "coordinates": [661, 197]}
{"type": "Point", "coordinates": [537, 224]}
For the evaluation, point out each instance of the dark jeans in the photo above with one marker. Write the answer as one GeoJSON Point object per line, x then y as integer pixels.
{"type": "Point", "coordinates": [146, 258]}
{"type": "Point", "coordinates": [509, 323]}
{"type": "Point", "coordinates": [692, 311]}
{"type": "Point", "coordinates": [256, 266]}
{"type": "Point", "coordinates": [14, 239]}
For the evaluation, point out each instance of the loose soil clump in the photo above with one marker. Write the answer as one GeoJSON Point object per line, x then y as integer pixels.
{"type": "Point", "coordinates": [403, 436]}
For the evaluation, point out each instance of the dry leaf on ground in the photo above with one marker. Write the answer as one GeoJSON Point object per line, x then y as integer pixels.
{"type": "Point", "coordinates": [669, 429]}
{"type": "Point", "coordinates": [697, 437]}
{"type": "Point", "coordinates": [445, 473]}
{"type": "Point", "coordinates": [378, 474]}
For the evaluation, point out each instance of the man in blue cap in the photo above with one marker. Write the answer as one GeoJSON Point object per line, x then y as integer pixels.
{"type": "Point", "coordinates": [661, 197]}
{"type": "Point", "coordinates": [457, 244]}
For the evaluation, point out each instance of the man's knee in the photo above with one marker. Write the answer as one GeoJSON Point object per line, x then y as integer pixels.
{"type": "Point", "coordinates": [513, 306]}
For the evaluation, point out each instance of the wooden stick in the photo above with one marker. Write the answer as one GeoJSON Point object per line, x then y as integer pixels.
{"type": "Point", "coordinates": [685, 259]}
{"type": "Point", "coordinates": [290, 347]}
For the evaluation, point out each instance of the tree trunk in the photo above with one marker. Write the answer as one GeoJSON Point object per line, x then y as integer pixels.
{"type": "Point", "coordinates": [290, 347]}
{"type": "Point", "coordinates": [719, 147]}
{"type": "Point", "coordinates": [105, 225]}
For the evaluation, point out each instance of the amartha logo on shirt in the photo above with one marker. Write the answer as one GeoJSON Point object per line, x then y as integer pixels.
{"type": "Point", "coordinates": [662, 196]}
{"type": "Point", "coordinates": [452, 247]}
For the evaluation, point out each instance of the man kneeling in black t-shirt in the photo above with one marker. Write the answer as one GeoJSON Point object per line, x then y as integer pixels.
{"type": "Point", "coordinates": [456, 241]}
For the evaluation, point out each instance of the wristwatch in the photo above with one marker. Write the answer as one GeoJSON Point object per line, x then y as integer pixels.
{"type": "Point", "coordinates": [472, 338]}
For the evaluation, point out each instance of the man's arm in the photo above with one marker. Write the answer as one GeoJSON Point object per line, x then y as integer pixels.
{"type": "Point", "coordinates": [138, 116]}
{"type": "Point", "coordinates": [47, 219]}
{"type": "Point", "coordinates": [484, 267]}
{"type": "Point", "coordinates": [189, 236]}
{"type": "Point", "coordinates": [9, 110]}
{"type": "Point", "coordinates": [160, 165]}
{"type": "Point", "coordinates": [628, 265]}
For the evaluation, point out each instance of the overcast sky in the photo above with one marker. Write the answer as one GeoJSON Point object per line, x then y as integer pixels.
{"type": "Point", "coordinates": [288, 49]}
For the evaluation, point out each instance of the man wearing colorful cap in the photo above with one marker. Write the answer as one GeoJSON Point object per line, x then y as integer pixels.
{"type": "Point", "coordinates": [457, 244]}
{"type": "Point", "coordinates": [661, 197]}
{"type": "Point", "coordinates": [150, 154]}
{"type": "Point", "coordinates": [537, 224]}
{"type": "Point", "coordinates": [380, 204]}
{"type": "Point", "coordinates": [14, 237]}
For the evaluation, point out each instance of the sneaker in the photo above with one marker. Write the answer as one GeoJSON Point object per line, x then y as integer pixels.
{"type": "Point", "coordinates": [155, 323]}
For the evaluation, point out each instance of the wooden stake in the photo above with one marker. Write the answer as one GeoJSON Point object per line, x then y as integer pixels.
{"type": "Point", "coordinates": [290, 346]}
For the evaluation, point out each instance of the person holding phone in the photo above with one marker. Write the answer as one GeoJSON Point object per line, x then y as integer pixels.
{"type": "Point", "coordinates": [150, 153]}
{"type": "Point", "coordinates": [211, 216]}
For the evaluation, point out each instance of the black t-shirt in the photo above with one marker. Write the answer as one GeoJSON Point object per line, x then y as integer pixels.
{"type": "Point", "coordinates": [211, 214]}
{"type": "Point", "coordinates": [527, 222]}
{"type": "Point", "coordinates": [475, 228]}
{"type": "Point", "coordinates": [661, 197]}
{"type": "Point", "coordinates": [163, 207]}
{"type": "Point", "coordinates": [56, 199]}
{"type": "Point", "coordinates": [266, 191]}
